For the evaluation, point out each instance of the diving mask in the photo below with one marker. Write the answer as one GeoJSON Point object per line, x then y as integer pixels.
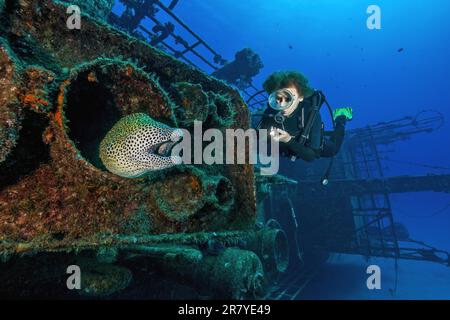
{"type": "Point", "coordinates": [282, 99]}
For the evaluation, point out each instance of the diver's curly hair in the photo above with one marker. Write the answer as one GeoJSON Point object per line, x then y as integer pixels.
{"type": "Point", "coordinates": [283, 79]}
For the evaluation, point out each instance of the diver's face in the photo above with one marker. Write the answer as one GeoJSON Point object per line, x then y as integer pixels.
{"type": "Point", "coordinates": [294, 90]}
{"type": "Point", "coordinates": [285, 99]}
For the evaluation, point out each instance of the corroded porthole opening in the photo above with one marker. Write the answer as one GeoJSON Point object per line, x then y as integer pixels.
{"type": "Point", "coordinates": [90, 112]}
{"type": "Point", "coordinates": [180, 196]}
{"type": "Point", "coordinates": [98, 95]}
{"type": "Point", "coordinates": [29, 153]}
{"type": "Point", "coordinates": [224, 192]}
{"type": "Point", "coordinates": [192, 193]}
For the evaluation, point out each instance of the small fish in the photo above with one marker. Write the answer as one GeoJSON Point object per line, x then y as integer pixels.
{"type": "Point", "coordinates": [400, 50]}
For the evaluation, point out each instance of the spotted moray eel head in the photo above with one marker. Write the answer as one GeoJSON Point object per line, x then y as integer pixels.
{"type": "Point", "coordinates": [138, 144]}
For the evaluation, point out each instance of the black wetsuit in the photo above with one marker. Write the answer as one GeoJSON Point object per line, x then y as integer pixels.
{"type": "Point", "coordinates": [317, 145]}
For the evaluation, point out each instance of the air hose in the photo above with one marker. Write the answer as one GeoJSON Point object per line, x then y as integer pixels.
{"type": "Point", "coordinates": [294, 217]}
{"type": "Point", "coordinates": [326, 176]}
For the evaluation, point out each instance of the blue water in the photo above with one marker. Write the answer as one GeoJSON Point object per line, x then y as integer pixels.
{"type": "Point", "coordinates": [329, 42]}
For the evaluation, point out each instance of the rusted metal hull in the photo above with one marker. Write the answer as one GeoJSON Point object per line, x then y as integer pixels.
{"type": "Point", "coordinates": [60, 92]}
{"type": "Point", "coordinates": [68, 195]}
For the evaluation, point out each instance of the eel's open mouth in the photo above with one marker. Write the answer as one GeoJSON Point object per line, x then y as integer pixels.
{"type": "Point", "coordinates": [164, 149]}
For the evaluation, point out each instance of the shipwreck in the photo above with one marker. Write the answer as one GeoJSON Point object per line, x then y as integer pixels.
{"type": "Point", "coordinates": [61, 91]}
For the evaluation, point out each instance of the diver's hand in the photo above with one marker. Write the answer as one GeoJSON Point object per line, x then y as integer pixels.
{"type": "Point", "coordinates": [280, 135]}
{"type": "Point", "coordinates": [347, 113]}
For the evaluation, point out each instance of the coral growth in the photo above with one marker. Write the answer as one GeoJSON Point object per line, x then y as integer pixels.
{"type": "Point", "coordinates": [99, 9]}
{"type": "Point", "coordinates": [10, 109]}
{"type": "Point", "coordinates": [69, 94]}
{"type": "Point", "coordinates": [59, 205]}
{"type": "Point", "coordinates": [192, 101]}
{"type": "Point", "coordinates": [103, 279]}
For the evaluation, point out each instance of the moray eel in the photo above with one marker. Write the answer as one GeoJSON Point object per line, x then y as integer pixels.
{"type": "Point", "coordinates": [137, 144]}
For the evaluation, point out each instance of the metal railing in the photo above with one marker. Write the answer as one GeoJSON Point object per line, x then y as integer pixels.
{"type": "Point", "coordinates": [197, 52]}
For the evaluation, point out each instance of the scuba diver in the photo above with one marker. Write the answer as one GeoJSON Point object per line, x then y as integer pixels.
{"type": "Point", "coordinates": [293, 118]}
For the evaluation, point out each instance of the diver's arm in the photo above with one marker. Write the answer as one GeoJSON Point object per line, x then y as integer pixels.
{"type": "Point", "coordinates": [301, 151]}
{"type": "Point", "coordinates": [310, 151]}
{"type": "Point", "coordinates": [332, 145]}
